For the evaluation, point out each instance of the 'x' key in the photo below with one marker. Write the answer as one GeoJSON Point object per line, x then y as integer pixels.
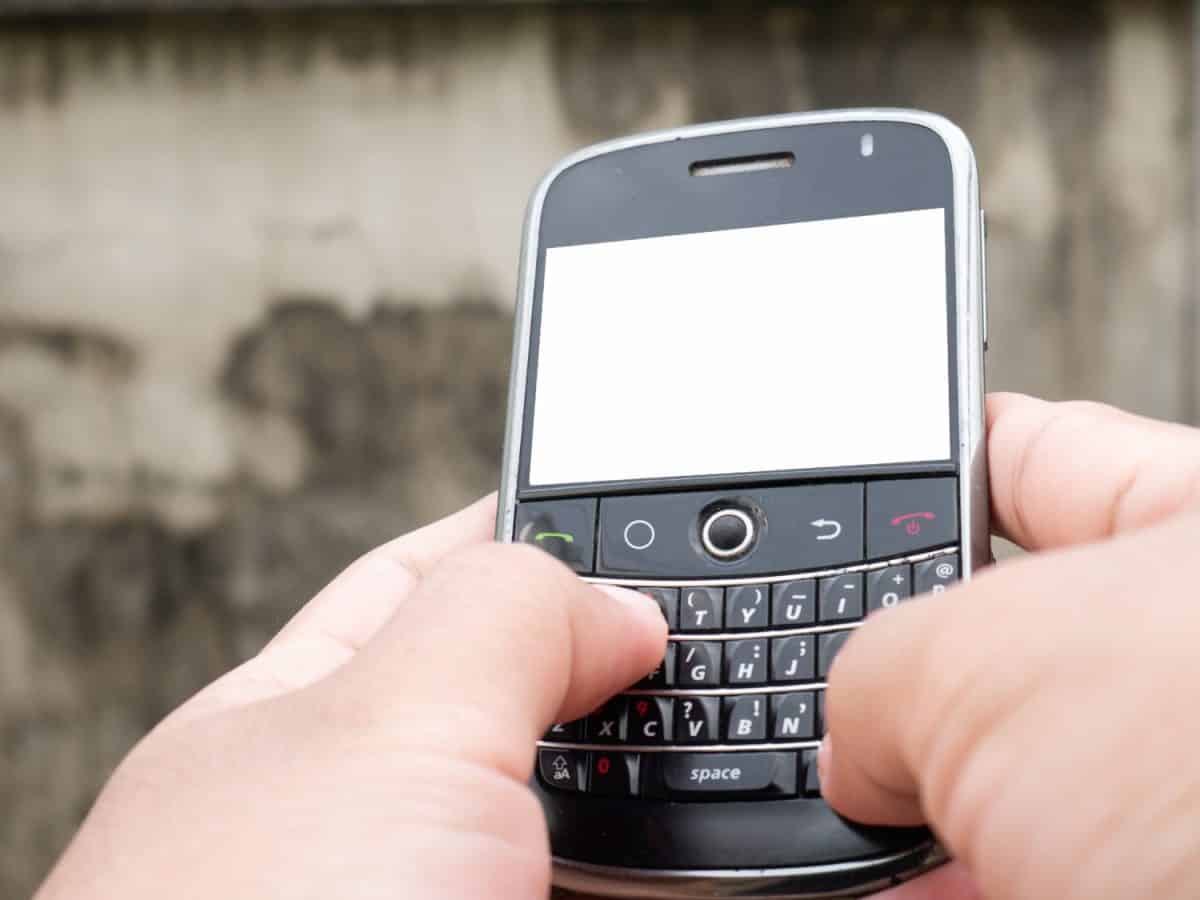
{"type": "Point", "coordinates": [604, 725]}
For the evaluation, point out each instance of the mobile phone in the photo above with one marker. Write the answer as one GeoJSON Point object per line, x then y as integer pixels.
{"type": "Point", "coordinates": [747, 380]}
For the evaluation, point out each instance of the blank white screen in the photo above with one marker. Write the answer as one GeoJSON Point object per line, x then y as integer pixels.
{"type": "Point", "coordinates": [799, 346]}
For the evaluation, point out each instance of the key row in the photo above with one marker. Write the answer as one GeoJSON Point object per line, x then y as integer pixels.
{"type": "Point", "coordinates": [747, 718]}
{"type": "Point", "coordinates": [750, 662]}
{"type": "Point", "coordinates": [773, 774]}
{"type": "Point", "coordinates": [805, 601]}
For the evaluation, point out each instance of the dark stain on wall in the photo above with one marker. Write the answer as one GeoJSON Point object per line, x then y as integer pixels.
{"type": "Point", "coordinates": [610, 66]}
{"type": "Point", "coordinates": [921, 55]}
{"type": "Point", "coordinates": [402, 411]}
{"type": "Point", "coordinates": [16, 473]}
{"type": "Point", "coordinates": [378, 393]}
{"type": "Point", "coordinates": [103, 353]}
{"type": "Point", "coordinates": [306, 362]}
{"type": "Point", "coordinates": [722, 84]}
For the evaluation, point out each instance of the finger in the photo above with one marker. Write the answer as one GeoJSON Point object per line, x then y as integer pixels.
{"type": "Point", "coordinates": [921, 691]}
{"type": "Point", "coordinates": [356, 604]}
{"type": "Point", "coordinates": [511, 640]}
{"type": "Point", "coordinates": [884, 789]}
{"type": "Point", "coordinates": [1070, 473]}
{"type": "Point", "coordinates": [967, 709]}
{"type": "Point", "coordinates": [331, 627]}
{"type": "Point", "coordinates": [948, 882]}
{"type": "Point", "coordinates": [913, 677]}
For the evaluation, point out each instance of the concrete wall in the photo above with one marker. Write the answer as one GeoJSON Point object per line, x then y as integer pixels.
{"type": "Point", "coordinates": [256, 272]}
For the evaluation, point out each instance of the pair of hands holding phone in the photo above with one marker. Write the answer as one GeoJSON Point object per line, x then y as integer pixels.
{"type": "Point", "coordinates": [1041, 718]}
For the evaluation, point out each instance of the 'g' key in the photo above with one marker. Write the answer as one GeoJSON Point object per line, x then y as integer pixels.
{"type": "Point", "coordinates": [698, 664]}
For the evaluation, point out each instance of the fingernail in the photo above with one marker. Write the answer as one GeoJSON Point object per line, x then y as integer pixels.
{"type": "Point", "coordinates": [825, 762]}
{"type": "Point", "coordinates": [638, 601]}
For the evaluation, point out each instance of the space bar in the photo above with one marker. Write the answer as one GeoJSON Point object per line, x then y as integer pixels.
{"type": "Point", "coordinates": [765, 774]}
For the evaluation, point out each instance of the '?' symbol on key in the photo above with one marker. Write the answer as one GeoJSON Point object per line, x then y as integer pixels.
{"type": "Point", "coordinates": [642, 707]}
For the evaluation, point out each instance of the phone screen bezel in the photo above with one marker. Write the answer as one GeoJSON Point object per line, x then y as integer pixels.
{"type": "Point", "coordinates": [647, 190]}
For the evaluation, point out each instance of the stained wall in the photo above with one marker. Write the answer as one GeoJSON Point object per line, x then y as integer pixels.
{"type": "Point", "coordinates": [256, 273]}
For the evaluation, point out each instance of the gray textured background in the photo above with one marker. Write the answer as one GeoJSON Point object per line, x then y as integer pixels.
{"type": "Point", "coordinates": [256, 272]}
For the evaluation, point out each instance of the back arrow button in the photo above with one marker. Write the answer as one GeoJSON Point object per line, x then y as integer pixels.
{"type": "Point", "coordinates": [832, 529]}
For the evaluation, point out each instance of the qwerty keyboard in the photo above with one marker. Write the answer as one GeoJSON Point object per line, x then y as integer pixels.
{"type": "Point", "coordinates": [735, 709]}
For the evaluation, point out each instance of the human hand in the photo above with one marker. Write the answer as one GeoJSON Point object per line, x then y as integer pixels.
{"type": "Point", "coordinates": [381, 744]}
{"type": "Point", "coordinates": [1043, 717]}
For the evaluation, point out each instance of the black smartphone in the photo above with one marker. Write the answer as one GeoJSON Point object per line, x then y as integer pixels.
{"type": "Point", "coordinates": [747, 380]}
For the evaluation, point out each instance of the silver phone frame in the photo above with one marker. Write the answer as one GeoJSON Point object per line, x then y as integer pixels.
{"type": "Point", "coordinates": [970, 303]}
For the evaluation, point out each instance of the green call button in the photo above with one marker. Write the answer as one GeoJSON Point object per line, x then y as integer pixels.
{"type": "Point", "coordinates": [566, 529]}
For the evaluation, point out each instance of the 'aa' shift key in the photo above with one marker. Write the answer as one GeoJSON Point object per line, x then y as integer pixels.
{"type": "Point", "coordinates": [740, 775]}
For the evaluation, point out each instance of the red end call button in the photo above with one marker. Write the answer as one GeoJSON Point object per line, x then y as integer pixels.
{"type": "Point", "coordinates": [911, 514]}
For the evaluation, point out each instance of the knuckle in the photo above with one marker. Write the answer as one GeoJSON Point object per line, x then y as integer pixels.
{"type": "Point", "coordinates": [1030, 468]}
{"type": "Point", "coordinates": [1088, 409]}
{"type": "Point", "coordinates": [505, 565]}
{"type": "Point", "coordinates": [533, 587]}
{"type": "Point", "coordinates": [517, 560]}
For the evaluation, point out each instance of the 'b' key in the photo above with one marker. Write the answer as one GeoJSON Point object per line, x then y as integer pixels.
{"type": "Point", "coordinates": [746, 718]}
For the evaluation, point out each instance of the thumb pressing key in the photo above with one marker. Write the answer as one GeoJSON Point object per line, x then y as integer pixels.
{"type": "Point", "coordinates": [381, 744]}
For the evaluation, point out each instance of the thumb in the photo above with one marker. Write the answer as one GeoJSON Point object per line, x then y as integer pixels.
{"type": "Point", "coordinates": [1007, 700]}
{"type": "Point", "coordinates": [498, 642]}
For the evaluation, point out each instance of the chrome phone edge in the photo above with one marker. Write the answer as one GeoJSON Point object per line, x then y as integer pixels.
{"type": "Point", "coordinates": [747, 884]}
{"type": "Point", "coordinates": [972, 470]}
